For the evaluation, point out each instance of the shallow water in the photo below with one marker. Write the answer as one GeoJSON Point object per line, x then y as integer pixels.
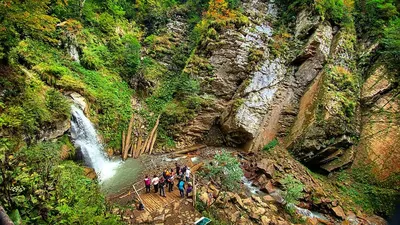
{"type": "Point", "coordinates": [124, 176]}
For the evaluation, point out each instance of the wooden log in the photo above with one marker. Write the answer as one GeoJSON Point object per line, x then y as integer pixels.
{"type": "Point", "coordinates": [133, 150]}
{"type": "Point", "coordinates": [194, 190]}
{"type": "Point", "coordinates": [196, 167]}
{"type": "Point", "coordinates": [150, 138]}
{"type": "Point", "coordinates": [153, 142]}
{"type": "Point", "coordinates": [123, 143]}
{"type": "Point", "coordinates": [143, 150]}
{"type": "Point", "coordinates": [128, 138]}
{"type": "Point", "coordinates": [139, 147]}
{"type": "Point", "coordinates": [190, 149]}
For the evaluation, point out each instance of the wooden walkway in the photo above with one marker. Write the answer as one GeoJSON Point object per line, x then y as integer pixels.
{"type": "Point", "coordinates": [153, 201]}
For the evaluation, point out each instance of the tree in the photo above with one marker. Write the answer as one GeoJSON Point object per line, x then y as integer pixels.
{"type": "Point", "coordinates": [225, 169]}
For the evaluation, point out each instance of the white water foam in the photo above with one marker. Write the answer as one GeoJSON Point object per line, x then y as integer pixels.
{"type": "Point", "coordinates": [85, 137]}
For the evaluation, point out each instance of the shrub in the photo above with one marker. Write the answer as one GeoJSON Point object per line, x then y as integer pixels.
{"type": "Point", "coordinates": [293, 189]}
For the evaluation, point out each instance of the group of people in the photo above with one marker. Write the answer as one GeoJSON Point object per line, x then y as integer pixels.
{"type": "Point", "coordinates": [167, 179]}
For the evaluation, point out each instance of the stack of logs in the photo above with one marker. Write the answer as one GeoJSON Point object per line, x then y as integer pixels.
{"type": "Point", "coordinates": [136, 148]}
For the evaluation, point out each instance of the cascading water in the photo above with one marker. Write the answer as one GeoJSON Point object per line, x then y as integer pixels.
{"type": "Point", "coordinates": [84, 136]}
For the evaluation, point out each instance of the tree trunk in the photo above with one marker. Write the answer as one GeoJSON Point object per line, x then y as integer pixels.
{"type": "Point", "coordinates": [123, 143]}
{"type": "Point", "coordinates": [152, 143]}
{"type": "Point", "coordinates": [4, 219]}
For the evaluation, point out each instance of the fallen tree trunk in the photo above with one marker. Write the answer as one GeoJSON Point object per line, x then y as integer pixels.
{"type": "Point", "coordinates": [152, 143]}
{"type": "Point", "coordinates": [139, 146]}
{"type": "Point", "coordinates": [128, 139]}
{"type": "Point", "coordinates": [151, 136]}
{"type": "Point", "coordinates": [123, 143]}
{"type": "Point", "coordinates": [190, 149]}
{"type": "Point", "coordinates": [4, 219]}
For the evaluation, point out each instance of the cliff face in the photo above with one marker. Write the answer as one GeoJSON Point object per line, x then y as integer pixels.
{"type": "Point", "coordinates": [307, 94]}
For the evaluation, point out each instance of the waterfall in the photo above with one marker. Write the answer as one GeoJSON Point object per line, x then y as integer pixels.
{"type": "Point", "coordinates": [85, 137]}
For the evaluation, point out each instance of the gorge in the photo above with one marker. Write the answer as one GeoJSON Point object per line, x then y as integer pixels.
{"type": "Point", "coordinates": [302, 93]}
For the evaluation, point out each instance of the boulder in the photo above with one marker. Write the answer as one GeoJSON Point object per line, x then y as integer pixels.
{"type": "Point", "coordinates": [268, 198]}
{"type": "Point", "coordinates": [54, 131]}
{"type": "Point", "coordinates": [204, 198]}
{"type": "Point", "coordinates": [339, 212]}
{"type": "Point", "coordinates": [268, 187]}
{"type": "Point", "coordinates": [79, 100]}
{"type": "Point", "coordinates": [266, 166]}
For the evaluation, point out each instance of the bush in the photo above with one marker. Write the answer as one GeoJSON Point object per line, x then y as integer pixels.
{"type": "Point", "coordinates": [293, 189]}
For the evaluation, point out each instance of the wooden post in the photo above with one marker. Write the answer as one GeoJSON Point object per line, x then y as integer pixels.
{"type": "Point", "coordinates": [140, 199]}
{"type": "Point", "coordinates": [194, 190]}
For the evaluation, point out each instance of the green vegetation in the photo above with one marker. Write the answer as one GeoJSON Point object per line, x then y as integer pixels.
{"type": "Point", "coordinates": [42, 189]}
{"type": "Point", "coordinates": [293, 189]}
{"type": "Point", "coordinates": [226, 171]}
{"type": "Point", "coordinates": [272, 144]}
{"type": "Point", "coordinates": [362, 188]}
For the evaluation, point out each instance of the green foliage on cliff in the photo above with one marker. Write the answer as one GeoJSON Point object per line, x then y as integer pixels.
{"type": "Point", "coordinates": [46, 190]}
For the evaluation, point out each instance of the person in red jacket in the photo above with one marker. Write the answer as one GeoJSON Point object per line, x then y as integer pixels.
{"type": "Point", "coordinates": [147, 183]}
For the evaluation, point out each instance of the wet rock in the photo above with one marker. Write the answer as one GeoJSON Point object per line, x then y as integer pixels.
{"type": "Point", "coordinates": [256, 198]}
{"type": "Point", "coordinates": [90, 173]}
{"type": "Point", "coordinates": [79, 100]}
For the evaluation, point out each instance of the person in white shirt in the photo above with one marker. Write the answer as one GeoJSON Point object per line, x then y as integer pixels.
{"type": "Point", "coordinates": [155, 181]}
{"type": "Point", "coordinates": [187, 174]}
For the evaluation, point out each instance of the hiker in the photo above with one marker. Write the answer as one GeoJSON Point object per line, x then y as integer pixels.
{"type": "Point", "coordinates": [140, 206]}
{"type": "Point", "coordinates": [181, 187]}
{"type": "Point", "coordinates": [155, 181]}
{"type": "Point", "coordinates": [167, 178]}
{"type": "Point", "coordinates": [183, 170]}
{"type": "Point", "coordinates": [171, 181]}
{"type": "Point", "coordinates": [147, 183]}
{"type": "Point", "coordinates": [187, 174]}
{"type": "Point", "coordinates": [161, 185]}
{"type": "Point", "coordinates": [164, 174]}
{"type": "Point", "coordinates": [189, 189]}
{"type": "Point", "coordinates": [178, 169]}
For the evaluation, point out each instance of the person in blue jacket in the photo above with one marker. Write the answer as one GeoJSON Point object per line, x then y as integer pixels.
{"type": "Point", "coordinates": [181, 187]}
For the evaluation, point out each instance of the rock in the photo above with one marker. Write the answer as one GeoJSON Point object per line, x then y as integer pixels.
{"type": "Point", "coordinates": [256, 212]}
{"type": "Point", "coordinates": [159, 218]}
{"type": "Point", "coordinates": [256, 198]}
{"type": "Point", "coordinates": [143, 217]}
{"type": "Point", "coordinates": [204, 198]}
{"type": "Point", "coordinates": [234, 216]}
{"type": "Point", "coordinates": [268, 198]}
{"type": "Point", "coordinates": [262, 180]}
{"type": "Point", "coordinates": [65, 152]}
{"type": "Point", "coordinates": [247, 201]}
{"type": "Point", "coordinates": [266, 166]}
{"type": "Point", "coordinates": [339, 212]}
{"type": "Point", "coordinates": [268, 187]}
{"type": "Point", "coordinates": [238, 200]}
{"type": "Point", "coordinates": [54, 131]}
{"type": "Point", "coordinates": [265, 220]}
{"type": "Point", "coordinates": [312, 221]}
{"type": "Point", "coordinates": [79, 100]}
{"type": "Point", "coordinates": [305, 22]}
{"type": "Point", "coordinates": [273, 208]}
{"type": "Point", "coordinates": [90, 173]}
